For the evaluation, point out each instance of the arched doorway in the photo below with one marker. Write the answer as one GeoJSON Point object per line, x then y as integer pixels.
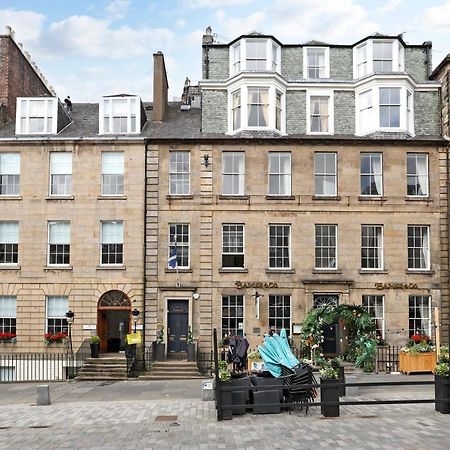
{"type": "Point", "coordinates": [113, 320]}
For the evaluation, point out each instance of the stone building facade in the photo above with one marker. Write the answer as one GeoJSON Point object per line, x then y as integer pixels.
{"type": "Point", "coordinates": [72, 222]}
{"type": "Point", "coordinates": [312, 174]}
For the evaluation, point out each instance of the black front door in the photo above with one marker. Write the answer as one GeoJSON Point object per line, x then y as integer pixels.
{"type": "Point", "coordinates": [177, 325]}
{"type": "Point", "coordinates": [330, 332]}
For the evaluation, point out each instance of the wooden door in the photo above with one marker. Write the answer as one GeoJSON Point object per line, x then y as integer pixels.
{"type": "Point", "coordinates": [102, 330]}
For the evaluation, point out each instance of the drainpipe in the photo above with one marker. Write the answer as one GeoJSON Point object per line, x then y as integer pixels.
{"type": "Point", "coordinates": [145, 243]}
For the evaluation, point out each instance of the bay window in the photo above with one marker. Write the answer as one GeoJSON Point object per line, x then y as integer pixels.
{"type": "Point", "coordinates": [384, 107]}
{"type": "Point", "coordinates": [257, 107]}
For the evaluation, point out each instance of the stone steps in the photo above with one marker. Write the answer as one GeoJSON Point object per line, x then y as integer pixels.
{"type": "Point", "coordinates": [172, 370]}
{"type": "Point", "coordinates": [103, 369]}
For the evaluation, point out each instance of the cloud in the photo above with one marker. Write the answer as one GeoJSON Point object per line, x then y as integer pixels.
{"type": "Point", "coordinates": [117, 9]}
{"type": "Point", "coordinates": [327, 20]}
{"type": "Point", "coordinates": [232, 27]}
{"type": "Point", "coordinates": [180, 23]}
{"type": "Point", "coordinates": [27, 24]}
{"type": "Point", "coordinates": [437, 18]}
{"type": "Point", "coordinates": [193, 39]}
{"type": "Point", "coordinates": [390, 6]}
{"type": "Point", "coordinates": [87, 37]}
{"type": "Point", "coordinates": [197, 4]}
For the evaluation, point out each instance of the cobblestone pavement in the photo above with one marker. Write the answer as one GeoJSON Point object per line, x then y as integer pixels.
{"type": "Point", "coordinates": [123, 415]}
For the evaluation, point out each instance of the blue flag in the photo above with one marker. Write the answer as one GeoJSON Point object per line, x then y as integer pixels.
{"type": "Point", "coordinates": [172, 262]}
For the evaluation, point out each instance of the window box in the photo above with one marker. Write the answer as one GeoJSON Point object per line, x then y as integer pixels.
{"type": "Point", "coordinates": [417, 362]}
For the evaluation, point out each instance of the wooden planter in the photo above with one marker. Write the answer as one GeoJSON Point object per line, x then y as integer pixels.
{"type": "Point", "coordinates": [417, 362]}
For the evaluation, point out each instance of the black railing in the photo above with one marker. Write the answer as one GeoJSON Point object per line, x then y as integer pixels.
{"type": "Point", "coordinates": [205, 362]}
{"type": "Point", "coordinates": [387, 359]}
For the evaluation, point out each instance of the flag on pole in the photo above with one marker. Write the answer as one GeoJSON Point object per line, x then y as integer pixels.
{"type": "Point", "coordinates": [172, 261]}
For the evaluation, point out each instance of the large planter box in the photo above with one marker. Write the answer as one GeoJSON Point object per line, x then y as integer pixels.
{"type": "Point", "coordinates": [329, 392]}
{"type": "Point", "coordinates": [341, 378]}
{"type": "Point", "coordinates": [417, 362]}
{"type": "Point", "coordinates": [442, 394]}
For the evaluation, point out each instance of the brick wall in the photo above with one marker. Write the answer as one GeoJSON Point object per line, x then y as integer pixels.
{"type": "Point", "coordinates": [214, 111]}
{"type": "Point", "coordinates": [341, 63]}
{"type": "Point", "coordinates": [17, 77]}
{"type": "Point", "coordinates": [426, 113]}
{"type": "Point", "coordinates": [416, 63]}
{"type": "Point", "coordinates": [296, 112]}
{"type": "Point", "coordinates": [344, 112]}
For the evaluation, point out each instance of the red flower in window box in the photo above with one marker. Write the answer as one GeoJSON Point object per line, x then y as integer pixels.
{"type": "Point", "coordinates": [7, 337]}
{"type": "Point", "coordinates": [58, 337]}
{"type": "Point", "coordinates": [420, 338]}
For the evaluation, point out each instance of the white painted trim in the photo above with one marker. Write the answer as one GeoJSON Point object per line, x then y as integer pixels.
{"type": "Point", "coordinates": [101, 113]}
{"type": "Point", "coordinates": [320, 93]}
{"type": "Point", "coordinates": [49, 102]}
{"type": "Point", "coordinates": [305, 61]}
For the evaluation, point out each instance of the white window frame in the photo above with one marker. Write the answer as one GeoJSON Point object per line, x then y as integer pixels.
{"type": "Point", "coordinates": [23, 112]}
{"type": "Point", "coordinates": [103, 108]}
{"type": "Point", "coordinates": [62, 317]}
{"type": "Point", "coordinates": [324, 175]}
{"type": "Point", "coordinates": [8, 314]}
{"type": "Point", "coordinates": [416, 175]}
{"type": "Point", "coordinates": [326, 58]}
{"type": "Point", "coordinates": [369, 304]}
{"type": "Point", "coordinates": [12, 239]}
{"type": "Point", "coordinates": [243, 86]}
{"type": "Point", "coordinates": [117, 171]}
{"type": "Point", "coordinates": [235, 317]}
{"type": "Point", "coordinates": [371, 174]}
{"type": "Point", "coordinates": [426, 319]}
{"type": "Point", "coordinates": [236, 225]}
{"type": "Point", "coordinates": [176, 172]}
{"type": "Point", "coordinates": [9, 171]}
{"type": "Point", "coordinates": [240, 175]}
{"type": "Point", "coordinates": [426, 250]}
{"type": "Point", "coordinates": [398, 56]}
{"type": "Point", "coordinates": [282, 317]}
{"type": "Point", "coordinates": [378, 250]}
{"type": "Point", "coordinates": [180, 244]}
{"type": "Point", "coordinates": [317, 248]}
{"type": "Point", "coordinates": [289, 247]}
{"type": "Point", "coordinates": [280, 175]}
{"type": "Point", "coordinates": [102, 222]}
{"type": "Point", "coordinates": [373, 120]}
{"type": "Point", "coordinates": [320, 93]}
{"type": "Point", "coordinates": [236, 110]}
{"type": "Point", "coordinates": [68, 172]}
{"type": "Point", "coordinates": [242, 44]}
{"type": "Point", "coordinates": [50, 241]}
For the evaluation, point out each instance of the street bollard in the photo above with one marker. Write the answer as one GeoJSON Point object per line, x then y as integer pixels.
{"type": "Point", "coordinates": [43, 395]}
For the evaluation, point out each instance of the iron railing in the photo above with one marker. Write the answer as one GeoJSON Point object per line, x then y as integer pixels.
{"type": "Point", "coordinates": [205, 362]}
{"type": "Point", "coordinates": [387, 359]}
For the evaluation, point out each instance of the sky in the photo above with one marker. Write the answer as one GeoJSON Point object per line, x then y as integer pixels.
{"type": "Point", "coordinates": [90, 48]}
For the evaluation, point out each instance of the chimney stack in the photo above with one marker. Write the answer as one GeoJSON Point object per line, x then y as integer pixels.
{"type": "Point", "coordinates": [208, 37]}
{"type": "Point", "coordinates": [160, 87]}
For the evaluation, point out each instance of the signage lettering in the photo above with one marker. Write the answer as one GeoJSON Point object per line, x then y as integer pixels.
{"type": "Point", "coordinates": [396, 285]}
{"type": "Point", "coordinates": [255, 284]}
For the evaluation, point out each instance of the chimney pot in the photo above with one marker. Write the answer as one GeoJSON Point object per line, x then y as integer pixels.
{"type": "Point", "coordinates": [8, 30]}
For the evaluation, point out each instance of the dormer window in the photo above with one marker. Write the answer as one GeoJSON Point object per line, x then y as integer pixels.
{"type": "Point", "coordinates": [257, 107]}
{"type": "Point", "coordinates": [316, 62]}
{"type": "Point", "coordinates": [254, 55]}
{"type": "Point", "coordinates": [37, 115]}
{"type": "Point", "coordinates": [120, 115]}
{"type": "Point", "coordinates": [384, 107]}
{"type": "Point", "coordinates": [378, 56]}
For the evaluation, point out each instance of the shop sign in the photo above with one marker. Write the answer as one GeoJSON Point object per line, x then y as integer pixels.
{"type": "Point", "coordinates": [396, 285]}
{"type": "Point", "coordinates": [255, 284]}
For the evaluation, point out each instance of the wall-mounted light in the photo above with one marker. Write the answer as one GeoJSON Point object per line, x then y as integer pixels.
{"type": "Point", "coordinates": [206, 160]}
{"type": "Point", "coordinates": [257, 296]}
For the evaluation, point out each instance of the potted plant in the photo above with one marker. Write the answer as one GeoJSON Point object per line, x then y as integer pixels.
{"type": "Point", "coordinates": [50, 338]}
{"type": "Point", "coordinates": [442, 380]}
{"type": "Point", "coordinates": [336, 363]}
{"type": "Point", "coordinates": [95, 346]}
{"type": "Point", "coordinates": [8, 338]}
{"type": "Point", "coordinates": [190, 346]}
{"type": "Point", "coordinates": [329, 391]}
{"type": "Point", "coordinates": [223, 397]}
{"type": "Point", "coordinates": [159, 346]}
{"type": "Point", "coordinates": [418, 355]}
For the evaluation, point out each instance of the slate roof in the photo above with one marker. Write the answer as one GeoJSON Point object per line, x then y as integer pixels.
{"type": "Point", "coordinates": [184, 125]}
